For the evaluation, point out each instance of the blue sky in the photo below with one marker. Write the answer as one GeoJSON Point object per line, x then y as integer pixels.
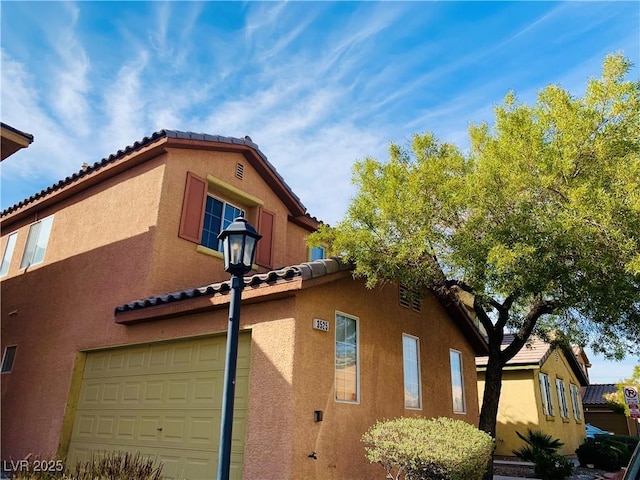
{"type": "Point", "coordinates": [316, 85]}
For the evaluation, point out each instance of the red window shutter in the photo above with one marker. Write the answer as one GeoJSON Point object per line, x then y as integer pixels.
{"type": "Point", "coordinates": [193, 205]}
{"type": "Point", "coordinates": [265, 228]}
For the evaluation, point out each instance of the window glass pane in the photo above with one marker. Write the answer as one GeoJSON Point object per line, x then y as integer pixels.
{"type": "Point", "coordinates": [346, 359]}
{"type": "Point", "coordinates": [317, 253]}
{"type": "Point", "coordinates": [457, 382]}
{"type": "Point", "coordinates": [37, 241]}
{"type": "Point", "coordinates": [218, 215]}
{"type": "Point", "coordinates": [8, 358]}
{"type": "Point", "coordinates": [42, 241]}
{"type": "Point", "coordinates": [8, 253]}
{"type": "Point", "coordinates": [411, 365]}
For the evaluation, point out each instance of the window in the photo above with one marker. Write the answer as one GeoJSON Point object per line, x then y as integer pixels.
{"type": "Point", "coordinates": [317, 253]}
{"type": "Point", "coordinates": [347, 368]}
{"type": "Point", "coordinates": [562, 398]}
{"type": "Point", "coordinates": [411, 365]}
{"type": "Point", "coordinates": [8, 358]}
{"type": "Point", "coordinates": [457, 382]}
{"type": "Point", "coordinates": [218, 215]}
{"type": "Point", "coordinates": [575, 401]}
{"type": "Point", "coordinates": [545, 393]}
{"type": "Point", "coordinates": [8, 253]}
{"type": "Point", "coordinates": [37, 242]}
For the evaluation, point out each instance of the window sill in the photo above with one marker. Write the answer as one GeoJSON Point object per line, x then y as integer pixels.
{"type": "Point", "coordinates": [209, 251]}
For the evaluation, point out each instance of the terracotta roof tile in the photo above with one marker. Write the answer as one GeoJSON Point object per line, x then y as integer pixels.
{"type": "Point", "coordinates": [305, 270]}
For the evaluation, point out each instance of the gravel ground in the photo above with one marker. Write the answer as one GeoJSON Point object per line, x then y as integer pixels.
{"type": "Point", "coordinates": [579, 473]}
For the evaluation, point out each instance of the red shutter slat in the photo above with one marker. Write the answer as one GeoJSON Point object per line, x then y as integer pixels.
{"type": "Point", "coordinates": [265, 228]}
{"type": "Point", "coordinates": [193, 205]}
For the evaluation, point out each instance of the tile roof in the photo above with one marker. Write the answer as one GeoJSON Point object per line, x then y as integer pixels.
{"type": "Point", "coordinates": [304, 271]}
{"type": "Point", "coordinates": [594, 394]}
{"type": "Point", "coordinates": [535, 352]}
{"type": "Point", "coordinates": [169, 134]}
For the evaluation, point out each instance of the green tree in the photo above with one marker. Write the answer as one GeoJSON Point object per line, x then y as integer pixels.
{"type": "Point", "coordinates": [539, 220]}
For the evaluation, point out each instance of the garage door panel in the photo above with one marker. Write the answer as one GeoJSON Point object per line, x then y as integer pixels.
{"type": "Point", "coordinates": [162, 400]}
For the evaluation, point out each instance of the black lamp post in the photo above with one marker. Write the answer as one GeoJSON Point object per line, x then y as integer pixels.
{"type": "Point", "coordinates": [238, 246]}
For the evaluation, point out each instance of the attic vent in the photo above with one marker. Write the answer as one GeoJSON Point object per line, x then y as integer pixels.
{"type": "Point", "coordinates": [239, 170]}
{"type": "Point", "coordinates": [410, 299]}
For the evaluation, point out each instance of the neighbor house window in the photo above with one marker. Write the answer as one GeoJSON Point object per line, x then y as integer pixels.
{"type": "Point", "coordinates": [457, 382]}
{"type": "Point", "coordinates": [347, 368]}
{"type": "Point", "coordinates": [562, 398]}
{"type": "Point", "coordinates": [8, 357]}
{"type": "Point", "coordinates": [8, 253]}
{"type": "Point", "coordinates": [411, 366]}
{"type": "Point", "coordinates": [218, 215]}
{"type": "Point", "coordinates": [575, 401]}
{"type": "Point", "coordinates": [37, 242]}
{"type": "Point", "coordinates": [545, 393]}
{"type": "Point", "coordinates": [317, 253]}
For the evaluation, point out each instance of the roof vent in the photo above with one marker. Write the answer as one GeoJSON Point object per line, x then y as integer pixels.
{"type": "Point", "coordinates": [239, 170]}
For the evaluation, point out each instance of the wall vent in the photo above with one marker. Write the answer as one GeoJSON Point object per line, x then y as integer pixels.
{"type": "Point", "coordinates": [239, 170]}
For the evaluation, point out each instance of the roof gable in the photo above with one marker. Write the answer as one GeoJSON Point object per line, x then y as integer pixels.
{"type": "Point", "coordinates": [151, 146]}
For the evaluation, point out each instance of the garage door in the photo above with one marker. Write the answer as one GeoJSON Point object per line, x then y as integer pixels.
{"type": "Point", "coordinates": [164, 401]}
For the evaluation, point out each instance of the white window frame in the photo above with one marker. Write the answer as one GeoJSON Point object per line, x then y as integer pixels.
{"type": "Point", "coordinates": [9, 248]}
{"type": "Point", "coordinates": [337, 370]}
{"type": "Point", "coordinates": [545, 394]}
{"type": "Point", "coordinates": [562, 398]}
{"type": "Point", "coordinates": [460, 374]}
{"type": "Point", "coordinates": [575, 402]}
{"type": "Point", "coordinates": [411, 358]}
{"type": "Point", "coordinates": [37, 241]}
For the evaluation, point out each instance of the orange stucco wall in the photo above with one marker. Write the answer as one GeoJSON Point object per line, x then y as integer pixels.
{"type": "Point", "coordinates": [118, 241]}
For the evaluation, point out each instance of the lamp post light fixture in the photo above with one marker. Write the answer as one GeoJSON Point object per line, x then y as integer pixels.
{"type": "Point", "coordinates": [238, 247]}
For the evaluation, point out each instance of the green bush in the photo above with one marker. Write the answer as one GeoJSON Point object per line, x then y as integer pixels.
{"type": "Point", "coordinates": [429, 449]}
{"type": "Point", "coordinates": [601, 455]}
{"type": "Point", "coordinates": [542, 450]}
{"type": "Point", "coordinates": [552, 466]}
{"type": "Point", "coordinates": [105, 466]}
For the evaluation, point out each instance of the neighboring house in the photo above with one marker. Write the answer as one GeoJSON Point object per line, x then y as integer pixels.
{"type": "Point", "coordinates": [115, 308]}
{"type": "Point", "coordinates": [540, 391]}
{"type": "Point", "coordinates": [600, 413]}
{"type": "Point", "coordinates": [12, 140]}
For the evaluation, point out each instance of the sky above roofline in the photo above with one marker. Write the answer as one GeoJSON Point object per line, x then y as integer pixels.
{"type": "Point", "coordinates": [316, 85]}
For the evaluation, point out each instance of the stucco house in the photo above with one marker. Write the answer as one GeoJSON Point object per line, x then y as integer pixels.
{"type": "Point", "coordinates": [114, 317]}
{"type": "Point", "coordinates": [540, 391]}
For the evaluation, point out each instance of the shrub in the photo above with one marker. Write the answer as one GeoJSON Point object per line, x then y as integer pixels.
{"type": "Point", "coordinates": [552, 466]}
{"type": "Point", "coordinates": [429, 449]}
{"type": "Point", "coordinates": [107, 466]}
{"type": "Point", "coordinates": [541, 449]}
{"type": "Point", "coordinates": [536, 441]}
{"type": "Point", "coordinates": [601, 455]}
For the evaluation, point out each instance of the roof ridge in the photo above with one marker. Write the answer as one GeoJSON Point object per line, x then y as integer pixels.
{"type": "Point", "coordinates": [164, 133]}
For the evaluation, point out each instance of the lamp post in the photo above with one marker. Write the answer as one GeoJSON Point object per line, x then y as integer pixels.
{"type": "Point", "coordinates": [238, 247]}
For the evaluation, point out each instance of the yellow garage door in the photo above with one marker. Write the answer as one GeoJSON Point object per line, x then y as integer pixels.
{"type": "Point", "coordinates": [164, 401]}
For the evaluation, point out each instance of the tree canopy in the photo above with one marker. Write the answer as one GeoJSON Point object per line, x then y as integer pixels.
{"type": "Point", "coordinates": [539, 218]}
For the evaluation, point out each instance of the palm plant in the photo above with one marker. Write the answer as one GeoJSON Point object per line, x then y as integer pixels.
{"type": "Point", "coordinates": [536, 442]}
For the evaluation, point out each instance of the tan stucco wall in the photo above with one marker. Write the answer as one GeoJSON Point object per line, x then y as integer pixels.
{"type": "Point", "coordinates": [110, 244]}
{"type": "Point", "coordinates": [382, 321]}
{"type": "Point", "coordinates": [520, 406]}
